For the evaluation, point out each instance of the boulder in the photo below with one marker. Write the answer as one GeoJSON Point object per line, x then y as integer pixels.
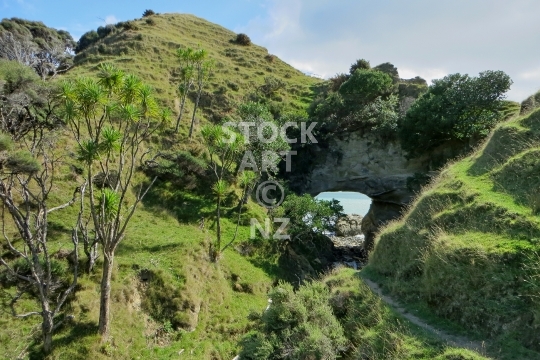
{"type": "Point", "coordinates": [349, 225]}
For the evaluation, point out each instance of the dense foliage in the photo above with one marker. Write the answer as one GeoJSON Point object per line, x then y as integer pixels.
{"type": "Point", "coordinates": [366, 99]}
{"type": "Point", "coordinates": [46, 50]}
{"type": "Point", "coordinates": [243, 39]}
{"type": "Point", "coordinates": [457, 107]}
{"type": "Point", "coordinates": [297, 325]}
{"type": "Point", "coordinates": [309, 216]}
{"type": "Point", "coordinates": [26, 102]}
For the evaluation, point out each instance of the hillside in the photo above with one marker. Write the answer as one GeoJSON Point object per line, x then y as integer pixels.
{"type": "Point", "coordinates": [167, 296]}
{"type": "Point", "coordinates": [171, 299]}
{"type": "Point", "coordinates": [241, 72]}
{"type": "Point", "coordinates": [467, 249]}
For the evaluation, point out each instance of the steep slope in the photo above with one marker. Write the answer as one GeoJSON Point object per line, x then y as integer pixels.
{"type": "Point", "coordinates": [467, 250]}
{"type": "Point", "coordinates": [167, 296]}
{"type": "Point", "coordinates": [147, 47]}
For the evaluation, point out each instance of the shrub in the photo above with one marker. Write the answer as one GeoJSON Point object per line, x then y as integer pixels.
{"type": "Point", "coordinates": [455, 108]}
{"type": "Point", "coordinates": [271, 85]}
{"type": "Point", "coordinates": [151, 21]}
{"type": "Point", "coordinates": [366, 85]}
{"type": "Point", "coordinates": [300, 324]}
{"type": "Point", "coordinates": [148, 12]}
{"type": "Point", "coordinates": [86, 40]}
{"type": "Point", "coordinates": [359, 64]}
{"type": "Point", "coordinates": [389, 69]}
{"type": "Point", "coordinates": [243, 39]}
{"type": "Point", "coordinates": [22, 162]}
{"type": "Point", "coordinates": [105, 30]}
{"type": "Point", "coordinates": [165, 302]}
{"type": "Point", "coordinates": [270, 58]}
{"type": "Point", "coordinates": [6, 143]}
{"type": "Point", "coordinates": [337, 80]}
{"type": "Point", "coordinates": [130, 25]}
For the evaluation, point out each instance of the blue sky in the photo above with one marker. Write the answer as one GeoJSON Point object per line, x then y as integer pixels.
{"type": "Point", "coordinates": [421, 37]}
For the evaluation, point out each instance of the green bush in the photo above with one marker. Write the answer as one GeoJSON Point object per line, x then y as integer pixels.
{"type": "Point", "coordinates": [151, 21]}
{"type": "Point", "coordinates": [270, 58]}
{"type": "Point", "coordinates": [359, 64]}
{"type": "Point", "coordinates": [243, 39]}
{"type": "Point", "coordinates": [164, 301]}
{"type": "Point", "coordinates": [309, 215]}
{"type": "Point", "coordinates": [130, 25]}
{"type": "Point", "coordinates": [86, 40]}
{"type": "Point", "coordinates": [365, 85]}
{"type": "Point", "coordinates": [6, 144]}
{"type": "Point", "coordinates": [105, 30]}
{"type": "Point", "coordinates": [298, 325]}
{"type": "Point", "coordinates": [148, 12]}
{"type": "Point", "coordinates": [22, 162]}
{"type": "Point", "coordinates": [455, 108]}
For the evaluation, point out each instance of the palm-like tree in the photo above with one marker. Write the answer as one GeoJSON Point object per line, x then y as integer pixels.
{"type": "Point", "coordinates": [110, 118]}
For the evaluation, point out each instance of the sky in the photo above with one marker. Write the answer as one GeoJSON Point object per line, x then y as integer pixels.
{"type": "Point", "coordinates": [352, 202]}
{"type": "Point", "coordinates": [428, 38]}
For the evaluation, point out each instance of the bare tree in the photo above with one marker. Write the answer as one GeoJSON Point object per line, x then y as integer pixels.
{"type": "Point", "coordinates": [26, 181]}
{"type": "Point", "coordinates": [21, 50]}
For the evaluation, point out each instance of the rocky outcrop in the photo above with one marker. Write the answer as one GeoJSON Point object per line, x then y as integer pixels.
{"type": "Point", "coordinates": [364, 163]}
{"type": "Point", "coordinates": [306, 258]}
{"type": "Point", "coordinates": [349, 225]}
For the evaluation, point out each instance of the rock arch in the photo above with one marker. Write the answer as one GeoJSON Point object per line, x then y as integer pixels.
{"type": "Point", "coordinates": [362, 162]}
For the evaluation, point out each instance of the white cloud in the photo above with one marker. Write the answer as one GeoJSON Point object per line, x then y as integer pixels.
{"type": "Point", "coordinates": [420, 37]}
{"type": "Point", "coordinates": [111, 19]}
{"type": "Point", "coordinates": [531, 75]}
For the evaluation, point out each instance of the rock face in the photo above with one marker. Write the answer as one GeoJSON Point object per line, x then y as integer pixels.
{"type": "Point", "coordinates": [364, 163]}
{"type": "Point", "coordinates": [349, 225]}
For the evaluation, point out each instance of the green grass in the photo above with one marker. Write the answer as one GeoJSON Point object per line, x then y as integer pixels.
{"type": "Point", "coordinates": [156, 242]}
{"type": "Point", "coordinates": [149, 52]}
{"type": "Point", "coordinates": [378, 332]}
{"type": "Point", "coordinates": [164, 235]}
{"type": "Point", "coordinates": [465, 252]}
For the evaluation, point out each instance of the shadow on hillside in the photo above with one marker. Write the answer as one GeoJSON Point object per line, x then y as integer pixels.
{"type": "Point", "coordinates": [75, 333]}
{"type": "Point", "coordinates": [186, 208]}
{"type": "Point", "coordinates": [127, 248]}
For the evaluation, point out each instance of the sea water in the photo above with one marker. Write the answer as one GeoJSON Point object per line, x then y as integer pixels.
{"type": "Point", "coordinates": [352, 202]}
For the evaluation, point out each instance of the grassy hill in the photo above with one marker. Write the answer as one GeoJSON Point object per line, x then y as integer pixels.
{"type": "Point", "coordinates": [170, 301]}
{"type": "Point", "coordinates": [148, 48]}
{"type": "Point", "coordinates": [467, 249]}
{"type": "Point", "coordinates": [167, 296]}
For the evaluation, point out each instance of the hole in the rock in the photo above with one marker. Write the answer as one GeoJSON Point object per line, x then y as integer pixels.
{"type": "Point", "coordinates": [348, 239]}
{"type": "Point", "coordinates": [352, 202]}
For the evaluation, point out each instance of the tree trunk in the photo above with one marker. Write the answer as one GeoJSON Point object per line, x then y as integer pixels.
{"type": "Point", "coordinates": [47, 330]}
{"type": "Point", "coordinates": [92, 255]}
{"type": "Point", "coordinates": [181, 113]}
{"type": "Point", "coordinates": [217, 248]}
{"type": "Point", "coordinates": [105, 301]}
{"type": "Point", "coordinates": [194, 111]}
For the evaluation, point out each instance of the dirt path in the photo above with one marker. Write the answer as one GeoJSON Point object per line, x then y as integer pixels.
{"type": "Point", "coordinates": [453, 340]}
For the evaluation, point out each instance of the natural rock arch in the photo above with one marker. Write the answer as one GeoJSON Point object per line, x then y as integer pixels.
{"type": "Point", "coordinates": [364, 163]}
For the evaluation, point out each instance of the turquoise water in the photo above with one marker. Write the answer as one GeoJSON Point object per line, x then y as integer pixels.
{"type": "Point", "coordinates": [352, 202]}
